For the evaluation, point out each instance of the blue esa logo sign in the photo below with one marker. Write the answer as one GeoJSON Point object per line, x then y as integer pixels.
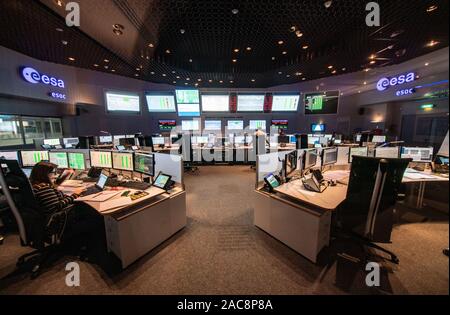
{"type": "Point", "coordinates": [56, 95]}
{"type": "Point", "coordinates": [384, 83]}
{"type": "Point", "coordinates": [32, 76]}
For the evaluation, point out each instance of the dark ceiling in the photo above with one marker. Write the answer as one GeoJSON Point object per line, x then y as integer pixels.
{"type": "Point", "coordinates": [337, 36]}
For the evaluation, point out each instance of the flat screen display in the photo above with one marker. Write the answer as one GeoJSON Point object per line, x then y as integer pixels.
{"type": "Point", "coordinates": [10, 155]}
{"type": "Point", "coordinates": [167, 124]}
{"type": "Point", "coordinates": [161, 103]}
{"type": "Point", "coordinates": [215, 125]}
{"type": "Point", "coordinates": [215, 103]}
{"type": "Point", "coordinates": [143, 163]}
{"type": "Point", "coordinates": [106, 139]}
{"type": "Point", "coordinates": [31, 158]}
{"type": "Point", "coordinates": [122, 161]}
{"type": "Point", "coordinates": [280, 123]}
{"type": "Point", "coordinates": [122, 102]}
{"type": "Point", "coordinates": [190, 125]}
{"type": "Point", "coordinates": [235, 125]}
{"type": "Point", "coordinates": [161, 181]}
{"type": "Point", "coordinates": [285, 103]}
{"type": "Point", "coordinates": [321, 103]}
{"type": "Point", "coordinates": [258, 124]}
{"type": "Point", "coordinates": [188, 102]}
{"type": "Point", "coordinates": [59, 158]}
{"type": "Point", "coordinates": [101, 159]}
{"type": "Point", "coordinates": [77, 161]}
{"type": "Point", "coordinates": [318, 128]}
{"type": "Point", "coordinates": [250, 103]}
{"type": "Point", "coordinates": [417, 154]}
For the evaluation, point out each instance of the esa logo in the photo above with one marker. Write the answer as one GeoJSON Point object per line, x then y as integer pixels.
{"type": "Point", "coordinates": [32, 76]}
{"type": "Point", "coordinates": [384, 83]}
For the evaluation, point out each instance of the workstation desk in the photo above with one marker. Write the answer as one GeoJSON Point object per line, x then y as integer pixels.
{"type": "Point", "coordinates": [133, 228]}
{"type": "Point", "coordinates": [301, 219]}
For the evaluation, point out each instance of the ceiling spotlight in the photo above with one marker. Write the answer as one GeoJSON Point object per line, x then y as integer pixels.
{"type": "Point", "coordinates": [138, 69]}
{"type": "Point", "coordinates": [280, 42]}
{"type": "Point", "coordinates": [220, 81]}
{"type": "Point", "coordinates": [178, 76]}
{"type": "Point", "coordinates": [344, 69]}
{"type": "Point", "coordinates": [365, 83]}
{"type": "Point", "coordinates": [187, 79]}
{"type": "Point", "coordinates": [359, 91]}
{"type": "Point", "coordinates": [288, 75]}
{"type": "Point", "coordinates": [231, 81]}
{"type": "Point", "coordinates": [164, 75]}
{"type": "Point", "coordinates": [279, 72]}
{"type": "Point", "coordinates": [235, 11]}
{"type": "Point", "coordinates": [284, 52]}
{"type": "Point", "coordinates": [190, 60]}
{"type": "Point", "coordinates": [427, 64]}
{"type": "Point", "coordinates": [303, 79]}
{"type": "Point", "coordinates": [185, 83]}
{"type": "Point", "coordinates": [293, 29]}
{"type": "Point", "coordinates": [95, 65]}
{"type": "Point", "coordinates": [167, 51]}
{"type": "Point", "coordinates": [298, 73]}
{"type": "Point", "coordinates": [106, 67]}
{"type": "Point", "coordinates": [432, 43]}
{"type": "Point", "coordinates": [330, 67]}
{"type": "Point", "coordinates": [113, 70]}
{"type": "Point", "coordinates": [432, 8]}
{"type": "Point", "coordinates": [64, 42]}
{"type": "Point", "coordinates": [209, 81]}
{"type": "Point", "coordinates": [153, 72]}
{"type": "Point", "coordinates": [136, 75]}
{"type": "Point", "coordinates": [58, 29]}
{"type": "Point", "coordinates": [334, 72]}
{"type": "Point", "coordinates": [328, 3]}
{"type": "Point", "coordinates": [59, 3]}
{"type": "Point", "coordinates": [151, 45]}
{"type": "Point", "coordinates": [253, 80]}
{"type": "Point", "coordinates": [236, 50]}
{"type": "Point", "coordinates": [273, 58]}
{"type": "Point", "coordinates": [71, 59]}
{"type": "Point", "coordinates": [249, 48]}
{"type": "Point", "coordinates": [199, 80]}
{"type": "Point", "coordinates": [118, 32]}
{"type": "Point", "coordinates": [305, 47]}
{"type": "Point", "coordinates": [373, 62]}
{"type": "Point", "coordinates": [367, 69]}
{"type": "Point", "coordinates": [106, 60]}
{"type": "Point", "coordinates": [234, 60]}
{"type": "Point", "coordinates": [196, 84]}
{"type": "Point", "coordinates": [372, 57]}
{"type": "Point", "coordinates": [182, 31]}
{"type": "Point", "coordinates": [173, 71]}
{"type": "Point", "coordinates": [299, 34]}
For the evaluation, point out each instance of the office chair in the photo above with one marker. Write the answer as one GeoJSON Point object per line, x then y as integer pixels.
{"type": "Point", "coordinates": [3, 208]}
{"type": "Point", "coordinates": [35, 230]}
{"type": "Point", "coordinates": [368, 212]}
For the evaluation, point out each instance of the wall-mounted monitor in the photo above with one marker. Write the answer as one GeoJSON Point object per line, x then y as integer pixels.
{"type": "Point", "coordinates": [285, 103]}
{"type": "Point", "coordinates": [123, 102]}
{"type": "Point", "coordinates": [213, 125]}
{"type": "Point", "coordinates": [167, 124]}
{"type": "Point", "coordinates": [235, 125]}
{"type": "Point", "coordinates": [188, 102]}
{"type": "Point", "coordinates": [321, 103]}
{"type": "Point", "coordinates": [190, 125]}
{"type": "Point", "coordinates": [105, 139]}
{"type": "Point", "coordinates": [257, 124]}
{"type": "Point", "coordinates": [215, 102]}
{"type": "Point", "coordinates": [280, 123]}
{"type": "Point", "coordinates": [160, 102]}
{"type": "Point", "coordinates": [318, 128]}
{"type": "Point", "coordinates": [250, 103]}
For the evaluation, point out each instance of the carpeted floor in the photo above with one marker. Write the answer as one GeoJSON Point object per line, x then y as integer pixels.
{"type": "Point", "coordinates": [221, 252]}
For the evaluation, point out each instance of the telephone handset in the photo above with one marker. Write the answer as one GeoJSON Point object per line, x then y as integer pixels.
{"type": "Point", "coordinates": [315, 182]}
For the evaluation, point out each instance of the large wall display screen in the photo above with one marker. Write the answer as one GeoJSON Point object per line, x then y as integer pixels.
{"type": "Point", "coordinates": [215, 103]}
{"type": "Point", "coordinates": [321, 103]}
{"type": "Point", "coordinates": [250, 103]}
{"type": "Point", "coordinates": [188, 102]}
{"type": "Point", "coordinates": [285, 103]}
{"type": "Point", "coordinates": [160, 103]}
{"type": "Point", "coordinates": [122, 102]}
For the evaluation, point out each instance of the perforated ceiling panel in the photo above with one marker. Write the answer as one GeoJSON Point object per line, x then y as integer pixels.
{"type": "Point", "coordinates": [204, 43]}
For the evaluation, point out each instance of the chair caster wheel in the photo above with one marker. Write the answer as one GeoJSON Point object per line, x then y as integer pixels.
{"type": "Point", "coordinates": [35, 272]}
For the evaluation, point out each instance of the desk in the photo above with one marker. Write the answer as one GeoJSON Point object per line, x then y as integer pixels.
{"type": "Point", "coordinates": [134, 229]}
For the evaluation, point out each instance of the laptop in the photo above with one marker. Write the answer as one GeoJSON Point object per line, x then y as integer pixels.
{"type": "Point", "coordinates": [99, 186]}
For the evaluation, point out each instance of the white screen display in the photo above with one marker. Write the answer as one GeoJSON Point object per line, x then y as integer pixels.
{"type": "Point", "coordinates": [258, 124]}
{"type": "Point", "coordinates": [122, 102]}
{"type": "Point", "coordinates": [213, 125]}
{"type": "Point", "coordinates": [188, 110]}
{"type": "Point", "coordinates": [388, 153]}
{"type": "Point", "coordinates": [161, 103]}
{"type": "Point", "coordinates": [10, 155]}
{"type": "Point", "coordinates": [285, 103]}
{"type": "Point", "coordinates": [190, 125]}
{"type": "Point", "coordinates": [122, 161]}
{"type": "Point", "coordinates": [235, 125]}
{"type": "Point", "coordinates": [215, 103]}
{"type": "Point", "coordinates": [250, 103]}
{"type": "Point", "coordinates": [31, 158]}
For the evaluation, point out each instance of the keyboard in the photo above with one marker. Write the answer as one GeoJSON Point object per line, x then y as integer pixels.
{"type": "Point", "coordinates": [136, 185]}
{"type": "Point", "coordinates": [91, 191]}
{"type": "Point", "coordinates": [89, 180]}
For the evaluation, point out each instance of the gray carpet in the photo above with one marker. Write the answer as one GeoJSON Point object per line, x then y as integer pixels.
{"type": "Point", "coordinates": [221, 252]}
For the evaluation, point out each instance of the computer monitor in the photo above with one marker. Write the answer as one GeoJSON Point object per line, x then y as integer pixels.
{"type": "Point", "coordinates": [358, 138]}
{"type": "Point", "coordinates": [329, 156]}
{"type": "Point", "coordinates": [388, 153]}
{"type": "Point", "coordinates": [10, 155]}
{"type": "Point", "coordinates": [31, 158]}
{"type": "Point", "coordinates": [424, 155]}
{"type": "Point", "coordinates": [120, 148]}
{"type": "Point", "coordinates": [310, 159]}
{"type": "Point", "coordinates": [158, 140]}
{"type": "Point", "coordinates": [359, 151]}
{"type": "Point", "coordinates": [283, 139]}
{"type": "Point", "coordinates": [77, 161]}
{"type": "Point", "coordinates": [70, 142]}
{"type": "Point", "coordinates": [162, 181]}
{"type": "Point", "coordinates": [123, 161]}
{"type": "Point", "coordinates": [102, 159]}
{"type": "Point", "coordinates": [378, 139]}
{"type": "Point", "coordinates": [313, 140]}
{"type": "Point", "coordinates": [292, 139]}
{"type": "Point", "coordinates": [52, 142]}
{"type": "Point", "coordinates": [59, 158]}
{"type": "Point", "coordinates": [291, 162]}
{"type": "Point", "coordinates": [105, 139]}
{"type": "Point", "coordinates": [144, 163]}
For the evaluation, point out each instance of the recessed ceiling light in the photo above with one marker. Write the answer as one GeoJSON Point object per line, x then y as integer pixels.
{"type": "Point", "coordinates": [334, 72]}
{"type": "Point", "coordinates": [249, 48]}
{"type": "Point", "coordinates": [95, 65]}
{"type": "Point", "coordinates": [293, 29]}
{"type": "Point", "coordinates": [426, 64]}
{"type": "Point", "coordinates": [344, 69]}
{"type": "Point", "coordinates": [164, 75]}
{"type": "Point", "coordinates": [138, 69]}
{"type": "Point", "coordinates": [106, 67]}
{"type": "Point", "coordinates": [153, 72]}
{"type": "Point", "coordinates": [298, 73]}
{"type": "Point", "coordinates": [288, 75]}
{"type": "Point", "coordinates": [64, 42]}
{"type": "Point", "coordinates": [187, 79]}
{"type": "Point", "coordinates": [190, 60]}
{"type": "Point", "coordinates": [136, 75]}
{"type": "Point", "coordinates": [299, 34]}
{"type": "Point", "coordinates": [328, 3]}
{"type": "Point", "coordinates": [305, 47]}
{"type": "Point", "coordinates": [182, 31]}
{"type": "Point", "coordinates": [185, 83]}
{"type": "Point", "coordinates": [106, 60]}
{"type": "Point", "coordinates": [199, 80]}
{"type": "Point", "coordinates": [112, 70]}
{"type": "Point", "coordinates": [167, 51]}
{"type": "Point", "coordinates": [71, 59]}
{"type": "Point", "coordinates": [59, 3]}
{"type": "Point", "coordinates": [432, 8]}
{"type": "Point", "coordinates": [365, 83]}
{"type": "Point", "coordinates": [209, 81]}
{"type": "Point", "coordinates": [231, 81]}
{"type": "Point", "coordinates": [280, 42]}
{"type": "Point", "coordinates": [236, 50]}
{"type": "Point", "coordinates": [58, 29]}
{"type": "Point", "coordinates": [174, 82]}
{"type": "Point", "coordinates": [367, 69]}
{"type": "Point", "coordinates": [303, 79]}
{"type": "Point", "coordinates": [173, 71]}
{"type": "Point", "coordinates": [178, 76]}
{"type": "Point", "coordinates": [372, 57]}
{"type": "Point", "coordinates": [117, 32]}
{"type": "Point", "coordinates": [284, 52]}
{"type": "Point", "coordinates": [273, 58]}
{"type": "Point", "coordinates": [253, 80]}
{"type": "Point", "coordinates": [359, 91]}
{"type": "Point", "coordinates": [151, 45]}
{"type": "Point", "coordinates": [432, 43]}
{"type": "Point", "coordinates": [373, 62]}
{"type": "Point", "coordinates": [330, 67]}
{"type": "Point", "coordinates": [234, 60]}
{"type": "Point", "coordinates": [235, 11]}
{"type": "Point", "coordinates": [220, 81]}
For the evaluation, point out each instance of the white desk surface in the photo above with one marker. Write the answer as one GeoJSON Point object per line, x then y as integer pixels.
{"type": "Point", "coordinates": [117, 202]}
{"type": "Point", "coordinates": [330, 199]}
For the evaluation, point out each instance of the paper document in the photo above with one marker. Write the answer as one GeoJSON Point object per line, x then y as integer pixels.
{"type": "Point", "coordinates": [418, 176]}
{"type": "Point", "coordinates": [100, 197]}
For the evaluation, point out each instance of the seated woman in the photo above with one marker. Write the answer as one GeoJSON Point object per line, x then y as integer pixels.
{"type": "Point", "coordinates": [79, 220]}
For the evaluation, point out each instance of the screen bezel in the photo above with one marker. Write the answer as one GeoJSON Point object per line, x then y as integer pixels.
{"type": "Point", "coordinates": [90, 158]}
{"type": "Point", "coordinates": [214, 94]}
{"type": "Point", "coordinates": [317, 92]}
{"type": "Point", "coordinates": [143, 154]}
{"type": "Point", "coordinates": [122, 169]}
{"type": "Point", "coordinates": [169, 178]}
{"type": "Point", "coordinates": [122, 112]}
{"type": "Point", "coordinates": [287, 94]}
{"type": "Point", "coordinates": [250, 111]}
{"type": "Point", "coordinates": [161, 94]}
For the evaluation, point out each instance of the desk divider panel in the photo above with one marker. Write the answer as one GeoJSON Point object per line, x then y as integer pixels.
{"type": "Point", "coordinates": [170, 164]}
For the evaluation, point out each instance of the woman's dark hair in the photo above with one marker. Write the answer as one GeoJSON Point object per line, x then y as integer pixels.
{"type": "Point", "coordinates": [40, 174]}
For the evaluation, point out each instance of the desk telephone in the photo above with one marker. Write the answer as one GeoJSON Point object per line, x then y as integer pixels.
{"type": "Point", "coordinates": [316, 182]}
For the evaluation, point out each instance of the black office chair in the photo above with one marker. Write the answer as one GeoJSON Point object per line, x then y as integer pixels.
{"type": "Point", "coordinates": [35, 230]}
{"type": "Point", "coordinates": [4, 207]}
{"type": "Point", "coordinates": [368, 212]}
